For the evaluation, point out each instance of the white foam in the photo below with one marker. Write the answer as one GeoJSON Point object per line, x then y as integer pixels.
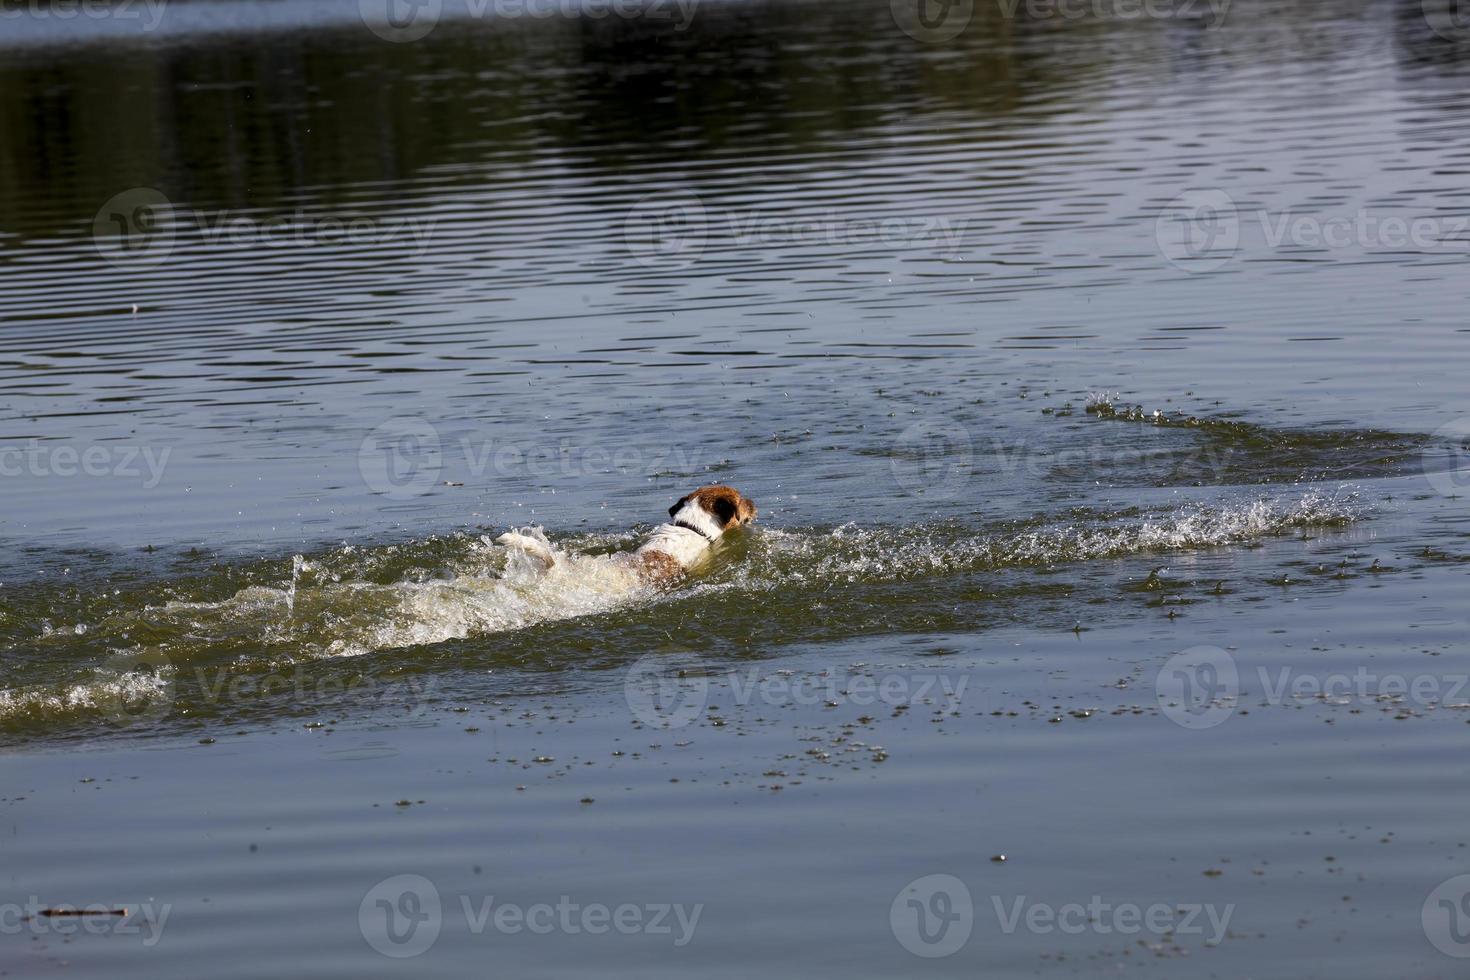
{"type": "Point", "coordinates": [325, 608]}
{"type": "Point", "coordinates": [342, 619]}
{"type": "Point", "coordinates": [853, 553]}
{"type": "Point", "coordinates": [108, 693]}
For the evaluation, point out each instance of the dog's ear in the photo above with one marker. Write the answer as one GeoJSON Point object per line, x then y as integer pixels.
{"type": "Point", "coordinates": [725, 509]}
{"type": "Point", "coordinates": [680, 503]}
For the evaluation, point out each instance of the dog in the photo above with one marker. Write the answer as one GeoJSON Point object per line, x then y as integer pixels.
{"type": "Point", "coordinates": [697, 523]}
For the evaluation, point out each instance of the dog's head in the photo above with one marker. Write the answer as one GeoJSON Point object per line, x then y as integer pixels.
{"type": "Point", "coordinates": [724, 506]}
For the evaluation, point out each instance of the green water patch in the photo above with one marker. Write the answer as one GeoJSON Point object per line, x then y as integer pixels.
{"type": "Point", "coordinates": [350, 625]}
{"type": "Point", "coordinates": [1226, 451]}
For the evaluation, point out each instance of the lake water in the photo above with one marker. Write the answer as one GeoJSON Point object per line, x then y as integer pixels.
{"type": "Point", "coordinates": [1097, 369]}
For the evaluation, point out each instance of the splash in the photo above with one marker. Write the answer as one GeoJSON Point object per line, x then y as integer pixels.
{"type": "Point", "coordinates": [354, 601]}
{"type": "Point", "coordinates": [489, 589]}
{"type": "Point", "coordinates": [1234, 451]}
{"type": "Point", "coordinates": [852, 553]}
{"type": "Point", "coordinates": [115, 693]}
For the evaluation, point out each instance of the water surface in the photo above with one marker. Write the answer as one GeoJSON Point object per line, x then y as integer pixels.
{"type": "Point", "coordinates": [1048, 351]}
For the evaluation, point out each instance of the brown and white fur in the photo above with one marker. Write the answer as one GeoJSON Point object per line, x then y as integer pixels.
{"type": "Point", "coordinates": [696, 523]}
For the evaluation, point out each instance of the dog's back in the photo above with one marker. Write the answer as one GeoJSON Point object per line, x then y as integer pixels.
{"type": "Point", "coordinates": [696, 523]}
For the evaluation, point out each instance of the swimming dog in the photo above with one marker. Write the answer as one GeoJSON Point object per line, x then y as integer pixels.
{"type": "Point", "coordinates": [697, 522]}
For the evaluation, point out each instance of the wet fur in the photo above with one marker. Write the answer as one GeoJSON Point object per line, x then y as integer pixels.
{"type": "Point", "coordinates": [656, 568]}
{"type": "Point", "coordinates": [697, 522]}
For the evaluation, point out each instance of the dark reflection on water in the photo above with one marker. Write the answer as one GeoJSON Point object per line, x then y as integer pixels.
{"type": "Point", "coordinates": [262, 121]}
{"type": "Point", "coordinates": [291, 315]}
{"type": "Point", "coordinates": [771, 242]}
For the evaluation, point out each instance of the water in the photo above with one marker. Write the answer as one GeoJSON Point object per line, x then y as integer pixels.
{"type": "Point", "coordinates": [1048, 352]}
